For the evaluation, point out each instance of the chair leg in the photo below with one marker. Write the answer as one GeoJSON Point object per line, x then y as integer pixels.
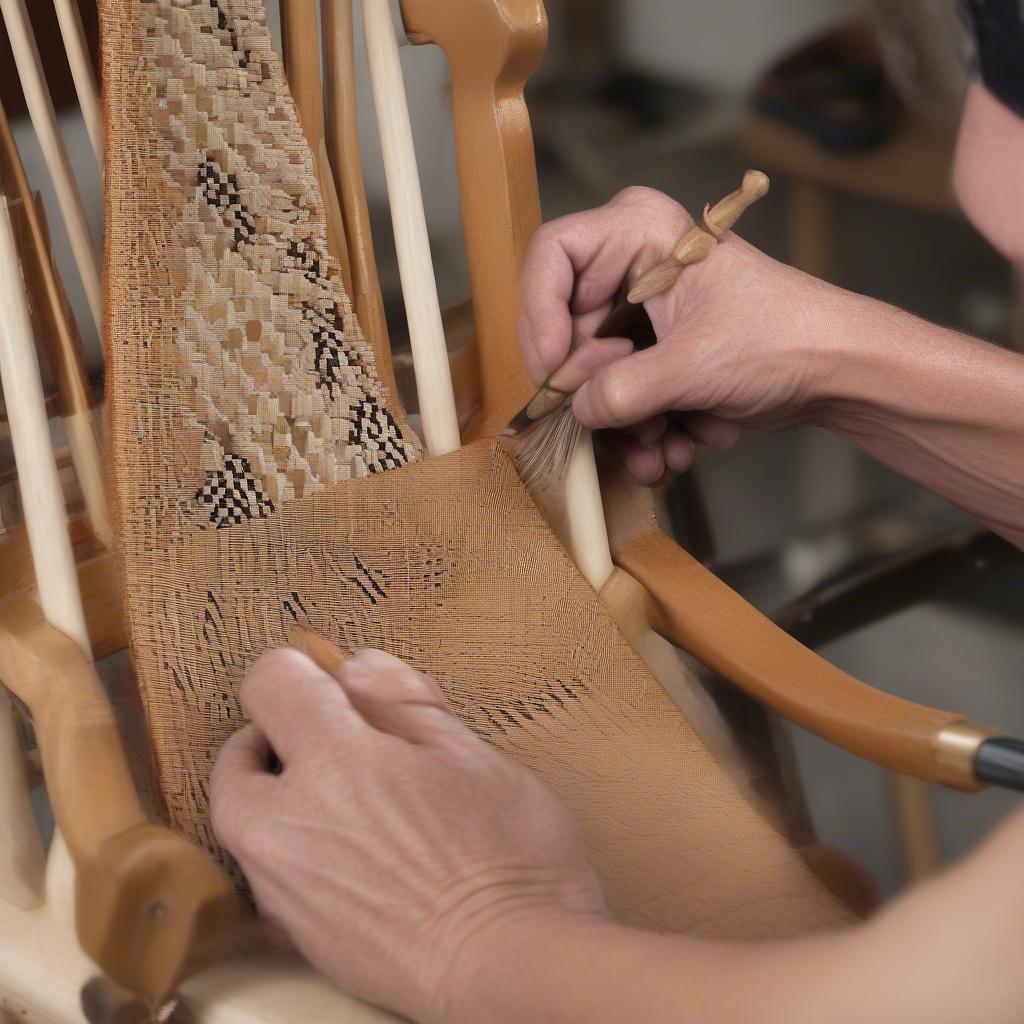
{"type": "Point", "coordinates": [22, 859]}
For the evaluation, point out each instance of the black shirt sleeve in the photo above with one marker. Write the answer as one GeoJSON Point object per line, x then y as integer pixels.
{"type": "Point", "coordinates": [998, 27]}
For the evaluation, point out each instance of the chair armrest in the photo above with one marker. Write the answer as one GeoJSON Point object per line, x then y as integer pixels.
{"type": "Point", "coordinates": [150, 909]}
{"type": "Point", "coordinates": [694, 609]}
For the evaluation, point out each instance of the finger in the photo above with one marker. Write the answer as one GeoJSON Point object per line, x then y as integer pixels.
{"type": "Point", "coordinates": [648, 433]}
{"type": "Point", "coordinates": [297, 705]}
{"type": "Point", "coordinates": [394, 698]}
{"type": "Point", "coordinates": [628, 391]}
{"type": "Point", "coordinates": [244, 755]}
{"type": "Point", "coordinates": [240, 779]}
{"type": "Point", "coordinates": [718, 434]}
{"type": "Point", "coordinates": [678, 450]}
{"type": "Point", "coordinates": [592, 355]}
{"type": "Point", "coordinates": [645, 463]}
{"type": "Point", "coordinates": [578, 263]}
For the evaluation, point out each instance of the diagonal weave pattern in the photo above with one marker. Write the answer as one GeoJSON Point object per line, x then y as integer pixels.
{"type": "Point", "coordinates": [248, 427]}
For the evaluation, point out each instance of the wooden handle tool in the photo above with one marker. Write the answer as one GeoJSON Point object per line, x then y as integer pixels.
{"type": "Point", "coordinates": [629, 319]}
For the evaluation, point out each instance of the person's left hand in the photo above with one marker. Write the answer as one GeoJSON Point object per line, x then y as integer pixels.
{"type": "Point", "coordinates": [395, 844]}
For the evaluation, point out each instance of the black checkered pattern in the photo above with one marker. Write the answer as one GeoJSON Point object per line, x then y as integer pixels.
{"type": "Point", "coordinates": [224, 27]}
{"type": "Point", "coordinates": [233, 494]}
{"type": "Point", "coordinates": [375, 431]}
{"type": "Point", "coordinates": [306, 257]}
{"type": "Point", "coordinates": [333, 361]}
{"type": "Point", "coordinates": [221, 192]}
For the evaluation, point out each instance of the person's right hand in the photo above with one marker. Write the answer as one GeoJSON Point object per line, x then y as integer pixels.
{"type": "Point", "coordinates": [742, 339]}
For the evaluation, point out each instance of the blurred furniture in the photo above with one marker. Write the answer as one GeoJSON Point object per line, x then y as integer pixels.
{"type": "Point", "coordinates": [912, 169]}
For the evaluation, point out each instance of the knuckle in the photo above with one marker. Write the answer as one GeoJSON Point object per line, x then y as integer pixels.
{"type": "Point", "coordinates": [547, 235]}
{"type": "Point", "coordinates": [639, 194]}
{"type": "Point", "coordinates": [618, 394]}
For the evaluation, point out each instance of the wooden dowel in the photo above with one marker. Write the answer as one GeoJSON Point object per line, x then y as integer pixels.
{"type": "Point", "coordinates": [38, 482]}
{"type": "Point", "coordinates": [346, 165]}
{"type": "Point", "coordinates": [915, 819]}
{"type": "Point", "coordinates": [77, 48]}
{"type": "Point", "coordinates": [426, 332]}
{"type": "Point", "coordinates": [57, 330]}
{"type": "Point", "coordinates": [45, 520]}
{"type": "Point", "coordinates": [44, 120]}
{"type": "Point", "coordinates": [41, 496]}
{"type": "Point", "coordinates": [64, 350]}
{"type": "Point", "coordinates": [587, 534]}
{"type": "Point", "coordinates": [302, 66]}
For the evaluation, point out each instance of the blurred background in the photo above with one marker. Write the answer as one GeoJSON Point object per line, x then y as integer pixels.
{"type": "Point", "coordinates": [851, 108]}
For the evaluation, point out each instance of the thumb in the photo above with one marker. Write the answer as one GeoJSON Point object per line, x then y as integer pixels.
{"type": "Point", "coordinates": [630, 390]}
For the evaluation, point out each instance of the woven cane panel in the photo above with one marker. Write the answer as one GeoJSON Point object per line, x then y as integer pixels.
{"type": "Point", "coordinates": [250, 440]}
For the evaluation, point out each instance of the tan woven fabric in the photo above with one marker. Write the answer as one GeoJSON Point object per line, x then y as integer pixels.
{"type": "Point", "coordinates": [247, 429]}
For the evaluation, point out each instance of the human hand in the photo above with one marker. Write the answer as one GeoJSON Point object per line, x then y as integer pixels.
{"type": "Point", "coordinates": [395, 848]}
{"type": "Point", "coordinates": [742, 339]}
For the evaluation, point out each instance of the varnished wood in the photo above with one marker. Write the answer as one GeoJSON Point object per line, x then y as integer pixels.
{"type": "Point", "coordinates": [343, 151]}
{"type": "Point", "coordinates": [302, 66]}
{"type": "Point", "coordinates": [492, 46]}
{"type": "Point", "coordinates": [98, 582]}
{"type": "Point", "coordinates": [125, 866]}
{"type": "Point", "coordinates": [695, 610]}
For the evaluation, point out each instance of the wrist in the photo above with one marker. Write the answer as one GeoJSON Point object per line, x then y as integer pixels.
{"type": "Point", "coordinates": [877, 365]}
{"type": "Point", "coordinates": [515, 972]}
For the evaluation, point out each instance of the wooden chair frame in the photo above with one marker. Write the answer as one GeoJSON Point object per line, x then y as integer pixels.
{"type": "Point", "coordinates": [109, 867]}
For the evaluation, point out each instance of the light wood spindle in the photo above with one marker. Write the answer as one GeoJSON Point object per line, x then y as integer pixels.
{"type": "Point", "coordinates": [426, 332]}
{"type": "Point", "coordinates": [44, 120]}
{"type": "Point", "coordinates": [79, 58]}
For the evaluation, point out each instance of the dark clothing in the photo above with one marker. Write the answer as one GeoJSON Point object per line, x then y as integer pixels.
{"type": "Point", "coordinates": [998, 27]}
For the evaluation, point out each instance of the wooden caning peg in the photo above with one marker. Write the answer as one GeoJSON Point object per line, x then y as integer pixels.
{"type": "Point", "coordinates": [718, 219]}
{"type": "Point", "coordinates": [697, 243]}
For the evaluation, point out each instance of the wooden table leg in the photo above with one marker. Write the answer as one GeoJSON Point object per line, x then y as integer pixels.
{"type": "Point", "coordinates": [812, 229]}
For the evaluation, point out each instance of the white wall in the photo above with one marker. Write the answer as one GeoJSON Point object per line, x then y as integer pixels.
{"type": "Point", "coordinates": [723, 44]}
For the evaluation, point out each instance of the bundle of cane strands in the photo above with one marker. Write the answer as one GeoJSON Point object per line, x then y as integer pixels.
{"type": "Point", "coordinates": [265, 477]}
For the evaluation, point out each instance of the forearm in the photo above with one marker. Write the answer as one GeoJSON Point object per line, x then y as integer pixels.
{"type": "Point", "coordinates": [939, 407]}
{"type": "Point", "coordinates": [606, 974]}
{"type": "Point", "coordinates": [941, 954]}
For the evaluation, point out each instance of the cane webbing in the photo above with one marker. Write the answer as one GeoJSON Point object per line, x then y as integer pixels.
{"type": "Point", "coordinates": [247, 431]}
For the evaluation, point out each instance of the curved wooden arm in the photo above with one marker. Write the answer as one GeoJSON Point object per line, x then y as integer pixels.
{"type": "Point", "coordinates": [492, 46]}
{"type": "Point", "coordinates": [694, 609]}
{"type": "Point", "coordinates": [150, 908]}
